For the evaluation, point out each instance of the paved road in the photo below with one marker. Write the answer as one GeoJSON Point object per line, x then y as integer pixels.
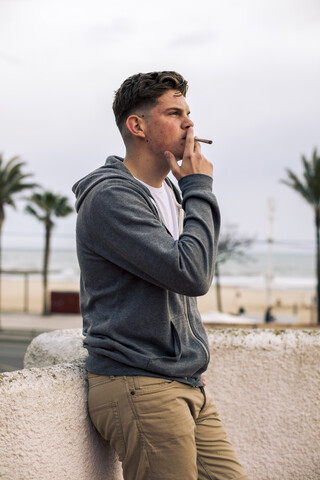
{"type": "Point", "coordinates": [12, 350]}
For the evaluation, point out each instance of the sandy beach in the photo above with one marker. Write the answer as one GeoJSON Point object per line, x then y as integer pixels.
{"type": "Point", "coordinates": [17, 296]}
{"type": "Point", "coordinates": [285, 302]}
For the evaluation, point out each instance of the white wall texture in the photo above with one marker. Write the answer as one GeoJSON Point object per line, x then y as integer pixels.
{"type": "Point", "coordinates": [59, 346]}
{"type": "Point", "coordinates": [265, 383]}
{"type": "Point", "coordinates": [45, 432]}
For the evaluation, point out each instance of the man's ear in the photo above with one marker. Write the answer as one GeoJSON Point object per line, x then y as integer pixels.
{"type": "Point", "coordinates": [135, 125]}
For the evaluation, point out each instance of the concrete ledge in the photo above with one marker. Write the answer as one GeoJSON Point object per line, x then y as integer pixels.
{"type": "Point", "coordinates": [266, 386]}
{"type": "Point", "coordinates": [45, 432]}
{"type": "Point", "coordinates": [52, 348]}
{"type": "Point", "coordinates": [265, 383]}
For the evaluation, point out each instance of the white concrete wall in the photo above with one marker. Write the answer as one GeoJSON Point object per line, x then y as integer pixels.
{"type": "Point", "coordinates": [267, 388]}
{"type": "Point", "coordinates": [52, 348]}
{"type": "Point", "coordinates": [265, 383]}
{"type": "Point", "coordinates": [45, 432]}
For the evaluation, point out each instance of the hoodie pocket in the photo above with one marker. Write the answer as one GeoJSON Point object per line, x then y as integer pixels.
{"type": "Point", "coordinates": [163, 363]}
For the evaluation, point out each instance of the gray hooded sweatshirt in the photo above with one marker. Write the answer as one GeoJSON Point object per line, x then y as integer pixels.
{"type": "Point", "coordinates": [138, 285]}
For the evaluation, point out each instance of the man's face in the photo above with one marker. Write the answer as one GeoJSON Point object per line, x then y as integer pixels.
{"type": "Point", "coordinates": [167, 124]}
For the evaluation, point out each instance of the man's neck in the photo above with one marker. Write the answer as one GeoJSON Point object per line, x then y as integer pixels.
{"type": "Point", "coordinates": [148, 170]}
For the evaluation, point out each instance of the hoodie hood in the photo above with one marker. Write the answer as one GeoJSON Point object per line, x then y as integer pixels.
{"type": "Point", "coordinates": [112, 170]}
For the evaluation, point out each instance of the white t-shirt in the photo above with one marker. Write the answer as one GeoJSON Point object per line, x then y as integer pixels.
{"type": "Point", "coordinates": [167, 207]}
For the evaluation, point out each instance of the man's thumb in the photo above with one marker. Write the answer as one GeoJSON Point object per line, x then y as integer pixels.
{"type": "Point", "coordinates": [170, 159]}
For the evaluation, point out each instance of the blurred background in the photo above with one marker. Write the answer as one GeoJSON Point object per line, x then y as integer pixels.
{"type": "Point", "coordinates": [254, 73]}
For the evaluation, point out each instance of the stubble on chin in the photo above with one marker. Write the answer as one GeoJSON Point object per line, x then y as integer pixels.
{"type": "Point", "coordinates": [179, 152]}
{"type": "Point", "coordinates": [179, 155]}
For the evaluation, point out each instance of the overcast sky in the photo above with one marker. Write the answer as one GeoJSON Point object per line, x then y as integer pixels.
{"type": "Point", "coordinates": [253, 68]}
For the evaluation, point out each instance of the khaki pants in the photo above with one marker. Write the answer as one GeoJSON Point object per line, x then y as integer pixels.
{"type": "Point", "coordinates": [161, 429]}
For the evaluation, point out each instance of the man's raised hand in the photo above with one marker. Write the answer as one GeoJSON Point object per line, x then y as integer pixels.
{"type": "Point", "coordinates": [192, 161]}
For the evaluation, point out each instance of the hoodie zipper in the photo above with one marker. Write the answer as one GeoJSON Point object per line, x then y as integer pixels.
{"type": "Point", "coordinates": [193, 333]}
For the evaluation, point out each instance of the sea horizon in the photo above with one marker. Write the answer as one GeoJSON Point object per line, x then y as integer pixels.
{"type": "Point", "coordinates": [286, 269]}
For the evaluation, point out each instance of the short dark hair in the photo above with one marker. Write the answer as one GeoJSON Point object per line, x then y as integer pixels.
{"type": "Point", "coordinates": [143, 90]}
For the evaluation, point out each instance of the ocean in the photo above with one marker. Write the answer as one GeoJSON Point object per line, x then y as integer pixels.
{"type": "Point", "coordinates": [289, 270]}
{"type": "Point", "coordinates": [63, 264]}
{"type": "Point", "coordinates": [286, 270]}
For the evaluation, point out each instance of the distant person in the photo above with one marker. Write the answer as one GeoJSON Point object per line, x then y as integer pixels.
{"type": "Point", "coordinates": [268, 316]}
{"type": "Point", "coordinates": [146, 252]}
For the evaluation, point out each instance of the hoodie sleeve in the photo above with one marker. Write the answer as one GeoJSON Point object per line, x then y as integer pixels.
{"type": "Point", "coordinates": [121, 225]}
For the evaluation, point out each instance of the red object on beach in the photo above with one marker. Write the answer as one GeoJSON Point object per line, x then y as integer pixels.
{"type": "Point", "coordinates": [65, 302]}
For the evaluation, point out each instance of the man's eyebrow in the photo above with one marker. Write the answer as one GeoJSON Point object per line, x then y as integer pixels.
{"type": "Point", "coordinates": [177, 109]}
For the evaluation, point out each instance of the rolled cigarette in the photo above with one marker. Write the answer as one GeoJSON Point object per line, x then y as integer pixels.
{"type": "Point", "coordinates": [203, 140]}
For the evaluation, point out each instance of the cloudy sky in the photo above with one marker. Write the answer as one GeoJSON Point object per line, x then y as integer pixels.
{"type": "Point", "coordinates": [253, 68]}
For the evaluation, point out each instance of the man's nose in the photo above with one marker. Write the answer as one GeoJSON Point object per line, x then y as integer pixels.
{"type": "Point", "coordinates": [188, 123]}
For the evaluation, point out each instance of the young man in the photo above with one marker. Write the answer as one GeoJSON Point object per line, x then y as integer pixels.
{"type": "Point", "coordinates": [145, 254]}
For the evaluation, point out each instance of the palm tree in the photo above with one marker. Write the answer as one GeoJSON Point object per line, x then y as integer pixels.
{"type": "Point", "coordinates": [309, 188]}
{"type": "Point", "coordinates": [12, 182]}
{"type": "Point", "coordinates": [44, 206]}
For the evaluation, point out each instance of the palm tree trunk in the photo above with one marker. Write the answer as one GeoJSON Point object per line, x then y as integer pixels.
{"type": "Point", "coordinates": [218, 288]}
{"type": "Point", "coordinates": [46, 255]}
{"type": "Point", "coordinates": [317, 215]}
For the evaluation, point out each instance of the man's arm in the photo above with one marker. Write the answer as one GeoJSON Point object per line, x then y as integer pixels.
{"type": "Point", "coordinates": [122, 227]}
